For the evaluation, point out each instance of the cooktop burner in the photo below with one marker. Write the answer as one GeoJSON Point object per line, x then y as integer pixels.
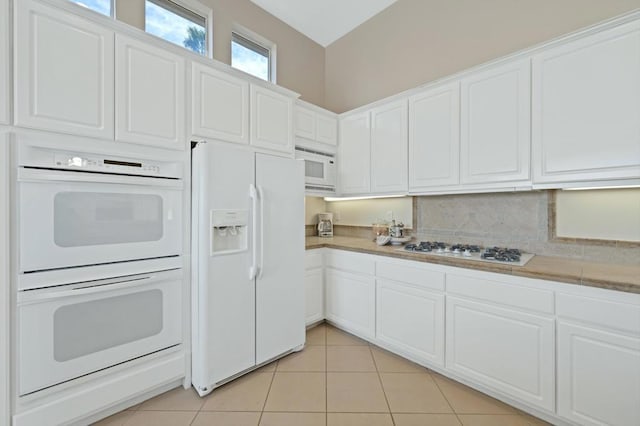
{"type": "Point", "coordinates": [471, 252]}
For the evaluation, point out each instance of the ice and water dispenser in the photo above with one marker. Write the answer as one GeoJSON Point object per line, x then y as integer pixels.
{"type": "Point", "coordinates": [229, 231]}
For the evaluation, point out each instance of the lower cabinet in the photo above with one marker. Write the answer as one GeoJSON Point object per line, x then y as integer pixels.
{"type": "Point", "coordinates": [598, 361]}
{"type": "Point", "coordinates": [314, 286]}
{"type": "Point", "coordinates": [411, 320]}
{"type": "Point", "coordinates": [351, 302]}
{"type": "Point", "coordinates": [506, 349]}
{"type": "Point", "coordinates": [314, 294]}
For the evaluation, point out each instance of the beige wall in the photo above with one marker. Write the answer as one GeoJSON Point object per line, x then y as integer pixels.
{"type": "Point", "coordinates": [417, 41]}
{"type": "Point", "coordinates": [313, 206]}
{"type": "Point", "coordinates": [300, 61]}
{"type": "Point", "coordinates": [368, 212]}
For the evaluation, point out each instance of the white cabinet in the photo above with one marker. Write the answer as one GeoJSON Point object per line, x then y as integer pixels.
{"type": "Point", "coordinates": [410, 310]}
{"type": "Point", "coordinates": [598, 360]}
{"type": "Point", "coordinates": [354, 154]}
{"type": "Point", "coordinates": [150, 95]}
{"type": "Point", "coordinates": [351, 302]}
{"type": "Point", "coordinates": [271, 120]}
{"type": "Point", "coordinates": [350, 287]}
{"type": "Point", "coordinates": [314, 286]}
{"type": "Point", "coordinates": [64, 72]}
{"type": "Point", "coordinates": [495, 124]}
{"type": "Point", "coordinates": [500, 340]}
{"type": "Point", "coordinates": [315, 124]}
{"type": "Point", "coordinates": [586, 104]}
{"type": "Point", "coordinates": [434, 138]}
{"type": "Point", "coordinates": [389, 148]}
{"type": "Point", "coordinates": [5, 63]}
{"type": "Point", "coordinates": [220, 105]}
{"type": "Point", "coordinates": [5, 261]}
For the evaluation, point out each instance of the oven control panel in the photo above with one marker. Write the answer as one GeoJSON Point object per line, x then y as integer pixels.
{"type": "Point", "coordinates": [108, 165]}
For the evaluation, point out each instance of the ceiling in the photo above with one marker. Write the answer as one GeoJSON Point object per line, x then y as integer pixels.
{"type": "Point", "coordinates": [324, 21]}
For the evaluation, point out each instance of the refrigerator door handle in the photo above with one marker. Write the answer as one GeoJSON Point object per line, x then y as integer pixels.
{"type": "Point", "coordinates": [262, 200]}
{"type": "Point", "coordinates": [253, 269]}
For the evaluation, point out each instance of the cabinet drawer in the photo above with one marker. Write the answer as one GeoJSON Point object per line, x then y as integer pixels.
{"type": "Point", "coordinates": [411, 273]}
{"type": "Point", "coordinates": [624, 317]}
{"type": "Point", "coordinates": [501, 293]}
{"type": "Point", "coordinates": [353, 262]}
{"type": "Point", "coordinates": [313, 259]}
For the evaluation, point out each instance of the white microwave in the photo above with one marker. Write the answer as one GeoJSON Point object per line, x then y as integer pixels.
{"type": "Point", "coordinates": [319, 170]}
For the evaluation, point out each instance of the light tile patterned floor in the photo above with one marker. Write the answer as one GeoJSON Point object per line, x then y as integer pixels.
{"type": "Point", "coordinates": [338, 380]}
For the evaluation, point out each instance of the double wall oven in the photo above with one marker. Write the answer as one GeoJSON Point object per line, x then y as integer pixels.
{"type": "Point", "coordinates": [100, 238]}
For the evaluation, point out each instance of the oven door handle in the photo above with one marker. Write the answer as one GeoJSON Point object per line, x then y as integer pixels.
{"type": "Point", "coordinates": [84, 289]}
{"type": "Point", "coordinates": [47, 176]}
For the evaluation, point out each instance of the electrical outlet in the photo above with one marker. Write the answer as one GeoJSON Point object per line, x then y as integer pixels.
{"type": "Point", "coordinates": [336, 216]}
{"type": "Point", "coordinates": [389, 215]}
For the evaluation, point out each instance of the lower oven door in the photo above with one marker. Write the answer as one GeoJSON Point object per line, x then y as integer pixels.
{"type": "Point", "coordinates": [69, 331]}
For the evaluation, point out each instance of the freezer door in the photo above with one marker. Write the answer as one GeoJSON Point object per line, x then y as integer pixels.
{"type": "Point", "coordinates": [280, 285]}
{"type": "Point", "coordinates": [223, 293]}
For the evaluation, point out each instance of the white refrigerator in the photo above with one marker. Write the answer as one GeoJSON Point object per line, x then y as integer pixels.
{"type": "Point", "coordinates": [248, 261]}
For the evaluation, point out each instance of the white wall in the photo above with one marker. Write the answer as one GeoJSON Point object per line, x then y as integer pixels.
{"type": "Point", "coordinates": [367, 212]}
{"type": "Point", "coordinates": [612, 214]}
{"type": "Point", "coordinates": [313, 206]}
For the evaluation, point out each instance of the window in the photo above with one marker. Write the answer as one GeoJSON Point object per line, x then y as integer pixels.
{"type": "Point", "coordinates": [104, 7]}
{"type": "Point", "coordinates": [185, 23]}
{"type": "Point", "coordinates": [249, 54]}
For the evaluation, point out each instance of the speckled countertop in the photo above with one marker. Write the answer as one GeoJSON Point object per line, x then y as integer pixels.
{"type": "Point", "coordinates": [604, 275]}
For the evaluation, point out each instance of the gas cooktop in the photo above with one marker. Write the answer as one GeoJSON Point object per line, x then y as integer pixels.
{"type": "Point", "coordinates": [501, 255]}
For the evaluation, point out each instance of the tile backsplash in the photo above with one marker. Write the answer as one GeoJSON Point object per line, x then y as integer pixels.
{"type": "Point", "coordinates": [519, 220]}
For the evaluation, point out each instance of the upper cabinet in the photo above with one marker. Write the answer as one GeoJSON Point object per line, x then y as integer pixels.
{"type": "Point", "coordinates": [389, 148]}
{"type": "Point", "coordinates": [5, 63]}
{"type": "Point", "coordinates": [354, 154]}
{"type": "Point", "coordinates": [315, 124]}
{"type": "Point", "coordinates": [220, 105]}
{"type": "Point", "coordinates": [434, 138]}
{"type": "Point", "coordinates": [150, 94]}
{"type": "Point", "coordinates": [586, 108]}
{"type": "Point", "coordinates": [495, 124]}
{"type": "Point", "coordinates": [271, 120]}
{"type": "Point", "coordinates": [64, 72]}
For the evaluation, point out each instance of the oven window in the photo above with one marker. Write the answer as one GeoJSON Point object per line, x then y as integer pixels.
{"type": "Point", "coordinates": [314, 169]}
{"type": "Point", "coordinates": [94, 326]}
{"type": "Point", "coordinates": [93, 218]}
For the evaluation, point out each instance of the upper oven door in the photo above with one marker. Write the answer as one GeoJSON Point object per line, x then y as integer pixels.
{"type": "Point", "coordinates": [69, 219]}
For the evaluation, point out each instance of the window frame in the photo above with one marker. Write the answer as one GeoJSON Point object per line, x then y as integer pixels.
{"type": "Point", "coordinates": [112, 8]}
{"type": "Point", "coordinates": [196, 8]}
{"type": "Point", "coordinates": [259, 41]}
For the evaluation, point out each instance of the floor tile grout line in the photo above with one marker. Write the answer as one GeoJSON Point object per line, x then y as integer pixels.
{"type": "Point", "coordinates": [264, 405]}
{"type": "Point", "coordinates": [445, 397]}
{"type": "Point", "coordinates": [393, 421]}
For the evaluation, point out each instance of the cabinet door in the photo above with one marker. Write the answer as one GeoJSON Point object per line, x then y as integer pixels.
{"type": "Point", "coordinates": [389, 145]}
{"type": "Point", "coordinates": [220, 105]}
{"type": "Point", "coordinates": [351, 302]}
{"type": "Point", "coordinates": [271, 120]}
{"type": "Point", "coordinates": [314, 294]}
{"type": "Point", "coordinates": [150, 88]}
{"type": "Point", "coordinates": [434, 137]}
{"type": "Point", "coordinates": [586, 104]}
{"type": "Point", "coordinates": [495, 124]}
{"type": "Point", "coordinates": [5, 63]}
{"type": "Point", "coordinates": [326, 129]}
{"type": "Point", "coordinates": [507, 350]}
{"type": "Point", "coordinates": [411, 320]}
{"type": "Point", "coordinates": [354, 155]}
{"type": "Point", "coordinates": [598, 376]}
{"type": "Point", "coordinates": [64, 72]}
{"type": "Point", "coordinates": [305, 123]}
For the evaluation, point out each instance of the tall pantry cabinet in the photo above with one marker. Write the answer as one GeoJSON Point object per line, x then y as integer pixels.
{"type": "Point", "coordinates": [5, 63]}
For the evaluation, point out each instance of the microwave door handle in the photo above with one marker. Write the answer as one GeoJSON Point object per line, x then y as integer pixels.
{"type": "Point", "coordinates": [37, 296]}
{"type": "Point", "coordinates": [48, 176]}
{"type": "Point", "coordinates": [262, 200]}
{"type": "Point", "coordinates": [253, 269]}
